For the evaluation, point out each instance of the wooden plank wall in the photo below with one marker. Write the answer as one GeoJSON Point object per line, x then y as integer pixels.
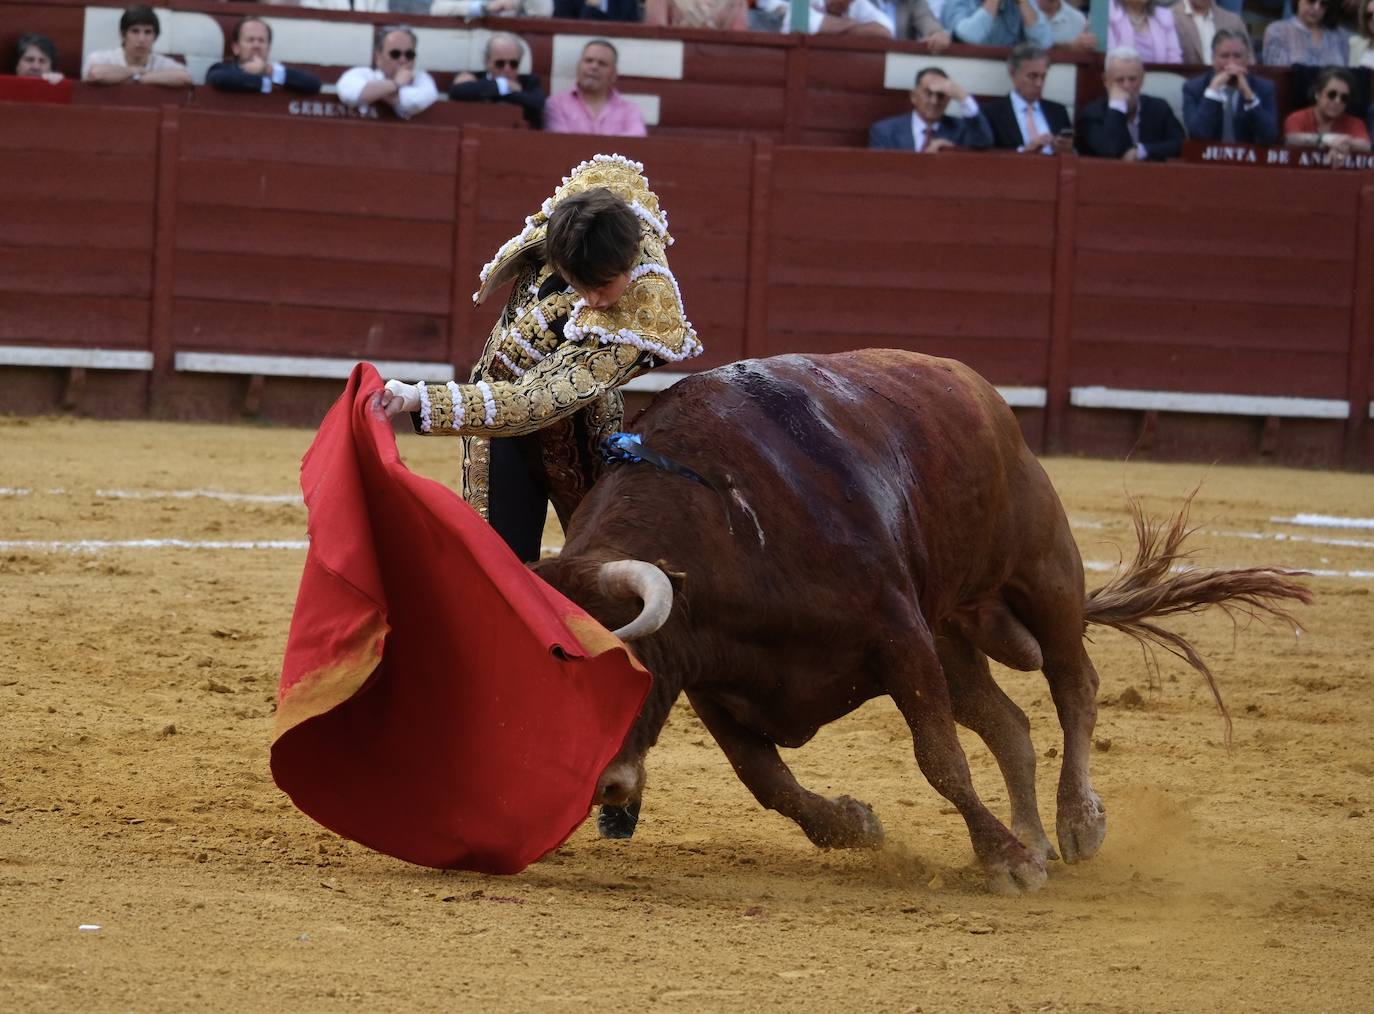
{"type": "Point", "coordinates": [77, 217]}
{"type": "Point", "coordinates": [953, 256]}
{"type": "Point", "coordinates": [314, 238]}
{"type": "Point", "coordinates": [185, 230]}
{"type": "Point", "coordinates": [1243, 289]}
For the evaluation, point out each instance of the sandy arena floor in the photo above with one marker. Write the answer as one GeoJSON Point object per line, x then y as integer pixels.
{"type": "Point", "coordinates": [136, 685]}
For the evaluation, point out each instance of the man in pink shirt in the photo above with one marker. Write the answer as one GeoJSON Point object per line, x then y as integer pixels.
{"type": "Point", "coordinates": [593, 106]}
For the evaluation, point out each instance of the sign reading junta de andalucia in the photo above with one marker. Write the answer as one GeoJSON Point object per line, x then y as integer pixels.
{"type": "Point", "coordinates": [1275, 157]}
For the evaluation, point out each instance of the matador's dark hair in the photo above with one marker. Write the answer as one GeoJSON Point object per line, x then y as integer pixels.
{"type": "Point", "coordinates": [592, 237]}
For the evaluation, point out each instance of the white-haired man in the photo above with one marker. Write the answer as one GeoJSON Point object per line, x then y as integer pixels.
{"type": "Point", "coordinates": [501, 80]}
{"type": "Point", "coordinates": [1125, 124]}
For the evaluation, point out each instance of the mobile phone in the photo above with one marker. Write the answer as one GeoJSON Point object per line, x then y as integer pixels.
{"type": "Point", "coordinates": [1067, 133]}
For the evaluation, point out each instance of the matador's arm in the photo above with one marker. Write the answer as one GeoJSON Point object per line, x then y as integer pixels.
{"type": "Point", "coordinates": [569, 378]}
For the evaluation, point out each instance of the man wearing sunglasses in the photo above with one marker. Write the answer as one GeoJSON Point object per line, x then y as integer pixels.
{"type": "Point", "coordinates": [392, 80]}
{"type": "Point", "coordinates": [502, 80]}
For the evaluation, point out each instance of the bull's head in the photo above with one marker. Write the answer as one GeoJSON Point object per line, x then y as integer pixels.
{"type": "Point", "coordinates": [608, 591]}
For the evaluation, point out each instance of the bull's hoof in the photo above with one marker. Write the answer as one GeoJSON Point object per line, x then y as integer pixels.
{"type": "Point", "coordinates": [618, 821]}
{"type": "Point", "coordinates": [849, 824]}
{"type": "Point", "coordinates": [1016, 875]}
{"type": "Point", "coordinates": [1081, 825]}
{"type": "Point", "coordinates": [1035, 839]}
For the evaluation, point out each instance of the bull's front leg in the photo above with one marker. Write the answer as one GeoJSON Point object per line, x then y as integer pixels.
{"type": "Point", "coordinates": [836, 823]}
{"type": "Point", "coordinates": [917, 683]}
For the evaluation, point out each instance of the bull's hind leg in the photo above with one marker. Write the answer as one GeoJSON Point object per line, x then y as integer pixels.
{"type": "Point", "coordinates": [980, 706]}
{"type": "Point", "coordinates": [917, 682]}
{"type": "Point", "coordinates": [830, 823]}
{"type": "Point", "coordinates": [1056, 620]}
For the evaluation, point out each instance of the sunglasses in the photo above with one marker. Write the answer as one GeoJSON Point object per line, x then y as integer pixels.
{"type": "Point", "coordinates": [1336, 96]}
{"type": "Point", "coordinates": [499, 64]}
{"type": "Point", "coordinates": [401, 54]}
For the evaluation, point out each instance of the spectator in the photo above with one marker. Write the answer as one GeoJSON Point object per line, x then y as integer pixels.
{"type": "Point", "coordinates": [927, 128]}
{"type": "Point", "coordinates": [1312, 36]}
{"type": "Point", "coordinates": [135, 60]}
{"type": "Point", "coordinates": [37, 57]}
{"type": "Point", "coordinates": [252, 69]}
{"type": "Point", "coordinates": [1198, 22]}
{"type": "Point", "coordinates": [913, 19]}
{"type": "Point", "coordinates": [826, 17]}
{"type": "Point", "coordinates": [502, 80]}
{"type": "Point", "coordinates": [1146, 27]}
{"type": "Point", "coordinates": [1326, 124]}
{"type": "Point", "coordinates": [597, 10]}
{"type": "Point", "coordinates": [1125, 124]}
{"type": "Point", "coordinates": [487, 8]}
{"type": "Point", "coordinates": [1362, 43]}
{"type": "Point", "coordinates": [1024, 121]}
{"type": "Point", "coordinates": [1226, 103]}
{"type": "Point", "coordinates": [1068, 25]}
{"type": "Point", "coordinates": [730, 15]}
{"type": "Point", "coordinates": [996, 22]}
{"type": "Point", "coordinates": [593, 106]}
{"type": "Point", "coordinates": [392, 79]}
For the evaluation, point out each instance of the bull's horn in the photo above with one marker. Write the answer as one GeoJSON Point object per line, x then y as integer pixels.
{"type": "Point", "coordinates": [622, 579]}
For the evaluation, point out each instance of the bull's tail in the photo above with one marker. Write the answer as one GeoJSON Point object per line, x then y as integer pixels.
{"type": "Point", "coordinates": [1152, 587]}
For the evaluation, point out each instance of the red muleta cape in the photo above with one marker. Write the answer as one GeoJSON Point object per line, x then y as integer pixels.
{"type": "Point", "coordinates": [438, 702]}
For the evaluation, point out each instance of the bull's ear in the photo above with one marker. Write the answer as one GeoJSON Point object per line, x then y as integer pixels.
{"type": "Point", "coordinates": [678, 578]}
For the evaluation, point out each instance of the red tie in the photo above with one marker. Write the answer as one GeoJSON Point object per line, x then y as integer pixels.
{"type": "Point", "coordinates": [1031, 129]}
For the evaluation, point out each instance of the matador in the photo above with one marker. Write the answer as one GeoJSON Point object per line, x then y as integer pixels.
{"type": "Point", "coordinates": [593, 304]}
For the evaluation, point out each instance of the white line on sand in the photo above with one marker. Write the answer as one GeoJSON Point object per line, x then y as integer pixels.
{"type": "Point", "coordinates": [97, 545]}
{"type": "Point", "coordinates": [1285, 537]}
{"type": "Point", "coordinates": [1325, 521]}
{"type": "Point", "coordinates": [14, 491]}
{"type": "Point", "coordinates": [193, 494]}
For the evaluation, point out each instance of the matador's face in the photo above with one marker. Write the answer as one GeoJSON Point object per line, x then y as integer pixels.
{"type": "Point", "coordinates": [603, 297]}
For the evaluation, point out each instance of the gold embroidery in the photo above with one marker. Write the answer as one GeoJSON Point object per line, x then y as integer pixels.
{"type": "Point", "coordinates": [477, 474]}
{"type": "Point", "coordinates": [650, 310]}
{"type": "Point", "coordinates": [440, 408]}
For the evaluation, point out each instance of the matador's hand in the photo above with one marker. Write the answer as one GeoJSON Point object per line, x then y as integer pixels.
{"type": "Point", "coordinates": [397, 397]}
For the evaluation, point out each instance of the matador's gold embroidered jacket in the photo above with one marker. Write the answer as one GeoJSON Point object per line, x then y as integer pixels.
{"type": "Point", "coordinates": [552, 364]}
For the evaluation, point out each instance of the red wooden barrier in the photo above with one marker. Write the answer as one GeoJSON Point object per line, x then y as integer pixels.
{"type": "Point", "coordinates": [1247, 288]}
{"type": "Point", "coordinates": [314, 237]}
{"type": "Point", "coordinates": [180, 231]}
{"type": "Point", "coordinates": [952, 255]}
{"type": "Point", "coordinates": [76, 226]}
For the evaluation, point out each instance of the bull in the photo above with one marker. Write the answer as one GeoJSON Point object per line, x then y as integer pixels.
{"type": "Point", "coordinates": [871, 523]}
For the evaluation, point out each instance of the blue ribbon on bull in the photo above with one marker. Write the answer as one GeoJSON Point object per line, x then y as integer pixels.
{"type": "Point", "coordinates": [630, 448]}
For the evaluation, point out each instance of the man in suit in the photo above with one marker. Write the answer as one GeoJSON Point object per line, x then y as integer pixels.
{"type": "Point", "coordinates": [1023, 121]}
{"type": "Point", "coordinates": [252, 68]}
{"type": "Point", "coordinates": [502, 81]}
{"type": "Point", "coordinates": [1227, 104]}
{"type": "Point", "coordinates": [927, 129]}
{"type": "Point", "coordinates": [1124, 124]}
{"type": "Point", "coordinates": [1197, 22]}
